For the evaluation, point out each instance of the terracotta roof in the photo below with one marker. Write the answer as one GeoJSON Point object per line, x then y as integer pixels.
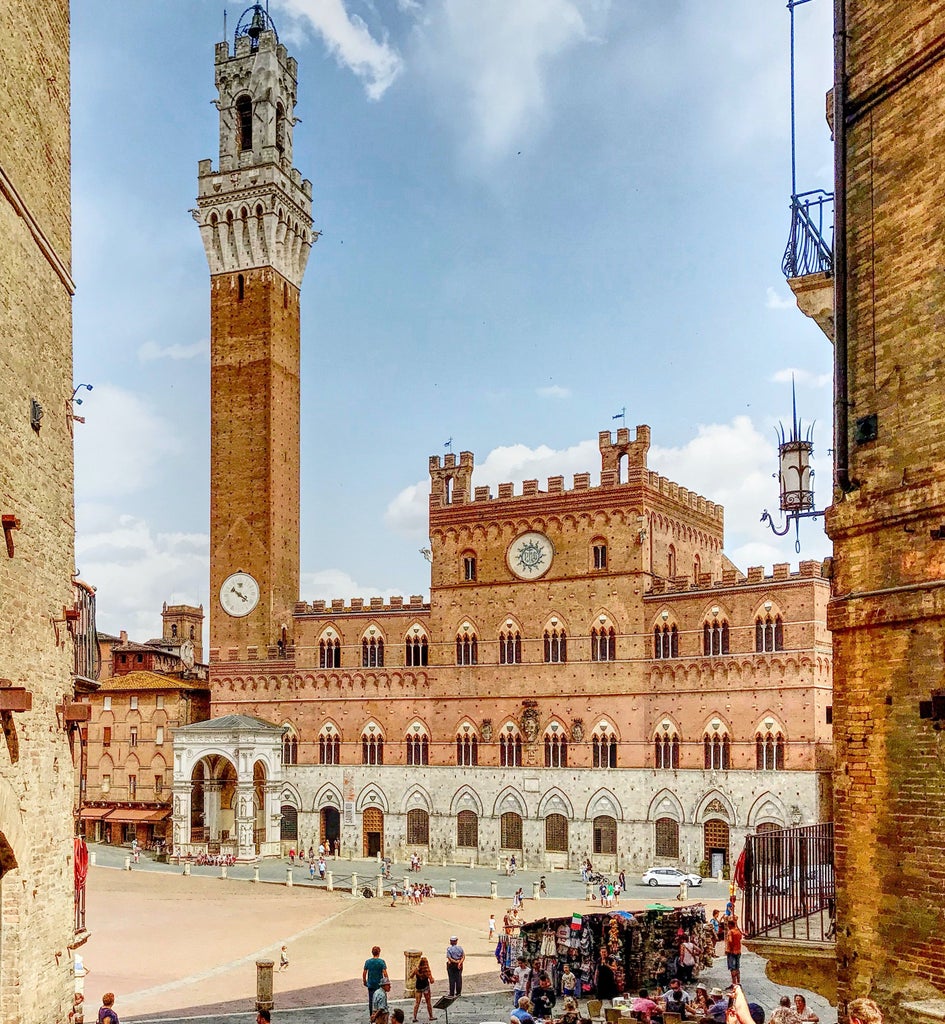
{"type": "Point", "coordinates": [130, 645]}
{"type": "Point", "coordinates": [148, 681]}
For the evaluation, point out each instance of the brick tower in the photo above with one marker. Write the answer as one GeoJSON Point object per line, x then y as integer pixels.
{"type": "Point", "coordinates": [255, 220]}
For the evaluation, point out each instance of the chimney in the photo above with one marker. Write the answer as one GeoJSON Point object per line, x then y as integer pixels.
{"type": "Point", "coordinates": [123, 636]}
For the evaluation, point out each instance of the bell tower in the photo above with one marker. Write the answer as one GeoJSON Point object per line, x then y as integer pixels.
{"type": "Point", "coordinates": [255, 218]}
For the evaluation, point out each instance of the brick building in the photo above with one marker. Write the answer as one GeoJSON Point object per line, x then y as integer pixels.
{"type": "Point", "coordinates": [591, 674]}
{"type": "Point", "coordinates": [887, 609]}
{"type": "Point", "coordinates": [145, 693]}
{"type": "Point", "coordinates": [38, 920]}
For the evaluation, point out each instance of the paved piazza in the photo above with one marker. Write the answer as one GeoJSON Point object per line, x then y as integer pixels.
{"type": "Point", "coordinates": [176, 947]}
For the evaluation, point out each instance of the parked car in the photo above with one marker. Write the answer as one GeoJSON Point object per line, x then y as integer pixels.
{"type": "Point", "coordinates": [670, 876]}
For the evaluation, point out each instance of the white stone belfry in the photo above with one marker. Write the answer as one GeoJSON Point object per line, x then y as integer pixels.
{"type": "Point", "coordinates": [255, 210]}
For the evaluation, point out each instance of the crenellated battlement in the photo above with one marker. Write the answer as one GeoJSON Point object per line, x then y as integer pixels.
{"type": "Point", "coordinates": [451, 479]}
{"type": "Point", "coordinates": [780, 573]}
{"type": "Point", "coordinates": [358, 606]}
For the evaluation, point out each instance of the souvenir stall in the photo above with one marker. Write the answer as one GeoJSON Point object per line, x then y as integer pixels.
{"type": "Point", "coordinates": [640, 947]}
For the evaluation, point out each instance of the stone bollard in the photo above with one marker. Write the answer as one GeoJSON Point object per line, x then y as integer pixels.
{"type": "Point", "coordinates": [288, 877]}
{"type": "Point", "coordinates": [354, 884]}
{"type": "Point", "coordinates": [255, 872]}
{"type": "Point", "coordinates": [536, 891]}
{"type": "Point", "coordinates": [186, 867]}
{"type": "Point", "coordinates": [411, 959]}
{"type": "Point", "coordinates": [589, 892]}
{"type": "Point", "coordinates": [379, 887]}
{"type": "Point", "coordinates": [720, 879]}
{"type": "Point", "coordinates": [330, 881]}
{"type": "Point", "coordinates": [406, 883]}
{"type": "Point", "coordinates": [263, 985]}
{"type": "Point", "coordinates": [127, 863]}
{"type": "Point", "coordinates": [493, 890]}
{"type": "Point", "coordinates": [452, 888]}
{"type": "Point", "coordinates": [92, 857]}
{"type": "Point", "coordinates": [223, 871]}
{"type": "Point", "coordinates": [683, 890]}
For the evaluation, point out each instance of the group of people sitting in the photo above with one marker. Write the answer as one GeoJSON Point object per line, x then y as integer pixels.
{"type": "Point", "coordinates": [714, 1006]}
{"type": "Point", "coordinates": [214, 860]}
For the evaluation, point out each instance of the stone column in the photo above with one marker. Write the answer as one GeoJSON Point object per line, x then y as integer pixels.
{"type": "Point", "coordinates": [264, 984]}
{"type": "Point", "coordinates": [244, 818]}
{"type": "Point", "coordinates": [452, 888]}
{"type": "Point", "coordinates": [211, 808]}
{"type": "Point", "coordinates": [493, 890]}
{"type": "Point", "coordinates": [273, 812]}
{"type": "Point", "coordinates": [181, 816]}
{"type": "Point", "coordinates": [411, 959]}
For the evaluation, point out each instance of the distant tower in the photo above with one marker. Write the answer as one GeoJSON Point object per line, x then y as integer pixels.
{"type": "Point", "coordinates": [184, 622]}
{"type": "Point", "coordinates": [255, 220]}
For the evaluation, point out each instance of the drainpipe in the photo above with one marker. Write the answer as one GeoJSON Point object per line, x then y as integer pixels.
{"type": "Point", "coordinates": [841, 405]}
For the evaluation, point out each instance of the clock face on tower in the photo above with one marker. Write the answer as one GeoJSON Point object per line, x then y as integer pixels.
{"type": "Point", "coordinates": [239, 594]}
{"type": "Point", "coordinates": [530, 555]}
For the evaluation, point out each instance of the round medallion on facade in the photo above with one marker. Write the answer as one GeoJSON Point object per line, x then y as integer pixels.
{"type": "Point", "coordinates": [530, 555]}
{"type": "Point", "coordinates": [239, 594]}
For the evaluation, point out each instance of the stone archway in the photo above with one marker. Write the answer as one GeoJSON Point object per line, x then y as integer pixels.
{"type": "Point", "coordinates": [227, 787]}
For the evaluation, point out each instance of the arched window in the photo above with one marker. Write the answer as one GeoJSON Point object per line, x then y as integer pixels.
{"type": "Point", "coordinates": [696, 569]}
{"type": "Point", "coordinates": [556, 833]}
{"type": "Point", "coordinates": [510, 828]}
{"type": "Point", "coordinates": [556, 749]}
{"type": "Point", "coordinates": [667, 749]}
{"type": "Point", "coordinates": [467, 648]}
{"type": "Point", "coordinates": [556, 646]}
{"type": "Point", "coordinates": [603, 644]}
{"type": "Point", "coordinates": [173, 629]}
{"type": "Point", "coordinates": [666, 641]}
{"type": "Point", "coordinates": [467, 830]}
{"type": "Point", "coordinates": [469, 567]}
{"type": "Point", "coordinates": [329, 652]}
{"type": "Point", "coordinates": [714, 637]}
{"type": "Point", "coordinates": [671, 561]}
{"type": "Point", "coordinates": [510, 748]}
{"type": "Point", "coordinates": [280, 127]}
{"type": "Point", "coordinates": [329, 746]}
{"type": "Point", "coordinates": [667, 838]}
{"type": "Point", "coordinates": [604, 744]}
{"type": "Point", "coordinates": [467, 748]}
{"type": "Point", "coordinates": [605, 834]}
{"type": "Point", "coordinates": [290, 746]}
{"type": "Point", "coordinates": [372, 652]}
{"type": "Point", "coordinates": [510, 647]}
{"type": "Point", "coordinates": [769, 634]}
{"type": "Point", "coordinates": [769, 751]}
{"type": "Point", "coordinates": [599, 554]}
{"type": "Point", "coordinates": [418, 651]}
{"type": "Point", "coordinates": [372, 748]}
{"type": "Point", "coordinates": [240, 286]}
{"type": "Point", "coordinates": [418, 827]}
{"type": "Point", "coordinates": [244, 123]}
{"type": "Point", "coordinates": [418, 748]}
{"type": "Point", "coordinates": [717, 747]}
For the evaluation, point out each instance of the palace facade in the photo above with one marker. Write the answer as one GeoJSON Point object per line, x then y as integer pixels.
{"type": "Point", "coordinates": [591, 675]}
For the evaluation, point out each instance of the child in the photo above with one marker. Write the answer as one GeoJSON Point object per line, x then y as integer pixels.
{"type": "Point", "coordinates": [568, 983]}
{"type": "Point", "coordinates": [283, 959]}
{"type": "Point", "coordinates": [491, 927]}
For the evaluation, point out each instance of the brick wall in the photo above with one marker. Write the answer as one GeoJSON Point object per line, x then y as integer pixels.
{"type": "Point", "coordinates": [888, 608]}
{"type": "Point", "coordinates": [36, 771]}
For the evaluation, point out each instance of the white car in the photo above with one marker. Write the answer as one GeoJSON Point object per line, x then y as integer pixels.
{"type": "Point", "coordinates": [670, 876]}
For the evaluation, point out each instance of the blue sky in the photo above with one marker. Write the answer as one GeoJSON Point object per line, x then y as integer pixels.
{"type": "Point", "coordinates": [534, 213]}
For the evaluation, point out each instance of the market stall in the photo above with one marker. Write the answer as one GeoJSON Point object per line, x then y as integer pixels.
{"type": "Point", "coordinates": [637, 948]}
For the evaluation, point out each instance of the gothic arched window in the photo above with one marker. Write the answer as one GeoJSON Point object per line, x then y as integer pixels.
{"type": "Point", "coordinates": [769, 634]}
{"type": "Point", "coordinates": [467, 648]}
{"type": "Point", "coordinates": [244, 123]}
{"type": "Point", "coordinates": [715, 637]}
{"type": "Point", "coordinates": [372, 652]}
{"type": "Point", "coordinates": [603, 644]}
{"type": "Point", "coordinates": [556, 750]}
{"type": "Point", "coordinates": [329, 653]}
{"type": "Point", "coordinates": [467, 749]}
{"type": "Point", "coordinates": [510, 647]}
{"type": "Point", "coordinates": [556, 646]}
{"type": "Point", "coordinates": [418, 651]}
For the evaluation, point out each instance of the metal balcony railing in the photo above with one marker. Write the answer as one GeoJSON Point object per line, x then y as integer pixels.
{"type": "Point", "coordinates": [809, 248]}
{"type": "Point", "coordinates": [789, 884]}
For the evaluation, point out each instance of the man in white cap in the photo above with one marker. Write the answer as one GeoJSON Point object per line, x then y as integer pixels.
{"type": "Point", "coordinates": [455, 957]}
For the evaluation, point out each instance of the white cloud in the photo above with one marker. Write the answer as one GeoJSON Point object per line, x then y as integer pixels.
{"type": "Point", "coordinates": [775, 301]}
{"type": "Point", "coordinates": [327, 584]}
{"type": "Point", "coordinates": [493, 56]}
{"type": "Point", "coordinates": [122, 442]}
{"type": "Point", "coordinates": [151, 350]}
{"type": "Point", "coordinates": [134, 569]}
{"type": "Point", "coordinates": [349, 39]}
{"type": "Point", "coordinates": [554, 391]}
{"type": "Point", "coordinates": [802, 377]}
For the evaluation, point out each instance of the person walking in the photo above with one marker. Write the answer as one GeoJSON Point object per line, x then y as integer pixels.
{"type": "Point", "coordinates": [491, 935]}
{"type": "Point", "coordinates": [374, 973]}
{"type": "Point", "coordinates": [283, 959]}
{"type": "Point", "coordinates": [423, 983]}
{"type": "Point", "coordinates": [733, 949]}
{"type": "Point", "coordinates": [380, 1011]}
{"type": "Point", "coordinates": [455, 958]}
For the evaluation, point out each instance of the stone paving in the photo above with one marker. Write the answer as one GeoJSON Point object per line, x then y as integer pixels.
{"type": "Point", "coordinates": [184, 948]}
